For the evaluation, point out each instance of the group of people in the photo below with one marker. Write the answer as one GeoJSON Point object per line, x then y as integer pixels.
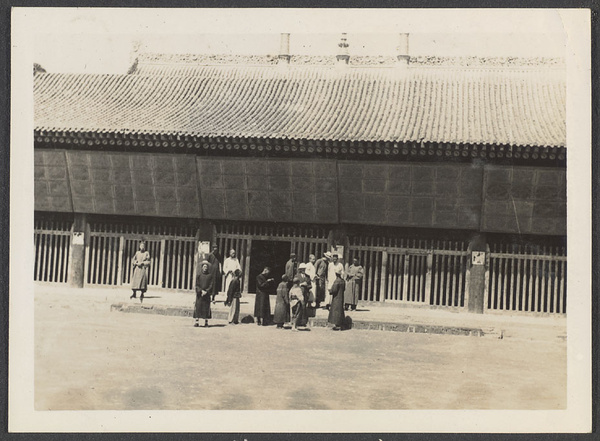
{"type": "Point", "coordinates": [304, 287]}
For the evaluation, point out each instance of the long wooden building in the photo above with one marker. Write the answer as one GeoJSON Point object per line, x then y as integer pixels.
{"type": "Point", "coordinates": [447, 178]}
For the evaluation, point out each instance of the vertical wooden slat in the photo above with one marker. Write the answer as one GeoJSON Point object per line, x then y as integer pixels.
{"type": "Point", "coordinates": [383, 286]}
{"type": "Point", "coordinates": [405, 278]}
{"type": "Point", "coordinates": [43, 259]}
{"type": "Point", "coordinates": [511, 290]}
{"type": "Point", "coordinates": [247, 264]}
{"type": "Point", "coordinates": [428, 260]}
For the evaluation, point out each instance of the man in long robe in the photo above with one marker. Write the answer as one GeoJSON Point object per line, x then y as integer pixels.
{"type": "Point", "coordinates": [334, 266]}
{"type": "Point", "coordinates": [139, 278]}
{"type": "Point", "coordinates": [282, 304]}
{"type": "Point", "coordinates": [262, 304]}
{"type": "Point", "coordinates": [354, 279]}
{"type": "Point", "coordinates": [311, 272]}
{"type": "Point", "coordinates": [305, 285]}
{"type": "Point", "coordinates": [214, 258]}
{"type": "Point", "coordinates": [291, 268]}
{"type": "Point", "coordinates": [336, 312]}
{"type": "Point", "coordinates": [234, 293]}
{"type": "Point", "coordinates": [230, 265]}
{"type": "Point", "coordinates": [321, 277]}
{"type": "Point", "coordinates": [204, 289]}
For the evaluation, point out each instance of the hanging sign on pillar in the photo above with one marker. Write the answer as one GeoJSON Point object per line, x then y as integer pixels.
{"type": "Point", "coordinates": [339, 250]}
{"type": "Point", "coordinates": [78, 238]}
{"type": "Point", "coordinates": [478, 257]}
{"type": "Point", "coordinates": [204, 247]}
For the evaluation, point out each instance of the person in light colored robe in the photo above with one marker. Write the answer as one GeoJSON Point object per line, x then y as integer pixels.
{"type": "Point", "coordinates": [139, 278]}
{"type": "Point", "coordinates": [230, 265]}
{"type": "Point", "coordinates": [354, 279]}
{"type": "Point", "coordinates": [311, 272]}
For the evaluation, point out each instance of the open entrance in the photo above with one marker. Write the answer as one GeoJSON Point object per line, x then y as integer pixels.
{"type": "Point", "coordinates": [273, 254]}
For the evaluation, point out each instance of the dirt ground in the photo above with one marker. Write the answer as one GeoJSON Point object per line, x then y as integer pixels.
{"type": "Point", "coordinates": [88, 358]}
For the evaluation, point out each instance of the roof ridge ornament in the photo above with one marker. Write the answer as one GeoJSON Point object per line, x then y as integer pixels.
{"type": "Point", "coordinates": [403, 51]}
{"type": "Point", "coordinates": [343, 56]}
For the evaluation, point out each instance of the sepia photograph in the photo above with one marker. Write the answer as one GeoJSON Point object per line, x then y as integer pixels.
{"type": "Point", "coordinates": [318, 214]}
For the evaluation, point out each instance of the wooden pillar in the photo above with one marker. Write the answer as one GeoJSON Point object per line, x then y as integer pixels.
{"type": "Point", "coordinates": [477, 262]}
{"type": "Point", "coordinates": [79, 238]}
{"type": "Point", "coordinates": [338, 236]}
{"type": "Point", "coordinates": [205, 233]}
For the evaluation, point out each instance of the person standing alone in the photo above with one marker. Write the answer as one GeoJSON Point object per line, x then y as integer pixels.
{"type": "Point", "coordinates": [336, 312]}
{"type": "Point", "coordinates": [204, 290]}
{"type": "Point", "coordinates": [139, 279]}
{"type": "Point", "coordinates": [262, 304]}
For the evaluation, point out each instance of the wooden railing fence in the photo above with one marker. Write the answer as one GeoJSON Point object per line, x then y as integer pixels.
{"type": "Point", "coordinates": [52, 247]}
{"type": "Point", "coordinates": [528, 279]}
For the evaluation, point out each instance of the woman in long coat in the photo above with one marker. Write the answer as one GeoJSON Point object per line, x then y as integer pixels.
{"type": "Point", "coordinates": [336, 312]}
{"type": "Point", "coordinates": [204, 290]}
{"type": "Point", "coordinates": [354, 277]}
{"type": "Point", "coordinates": [282, 304]}
{"type": "Point", "coordinates": [262, 304]}
{"type": "Point", "coordinates": [139, 278]}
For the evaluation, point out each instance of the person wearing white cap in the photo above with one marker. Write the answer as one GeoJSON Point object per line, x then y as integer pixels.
{"type": "Point", "coordinates": [332, 269]}
{"type": "Point", "coordinates": [230, 265]}
{"type": "Point", "coordinates": [336, 312]}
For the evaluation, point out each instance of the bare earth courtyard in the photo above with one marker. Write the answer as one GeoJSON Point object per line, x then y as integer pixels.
{"type": "Point", "coordinates": [88, 358]}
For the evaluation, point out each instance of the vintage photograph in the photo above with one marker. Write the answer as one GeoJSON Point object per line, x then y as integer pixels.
{"type": "Point", "coordinates": [288, 220]}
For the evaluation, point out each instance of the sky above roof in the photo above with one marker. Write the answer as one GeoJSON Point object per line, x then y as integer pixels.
{"type": "Point", "coordinates": [111, 53]}
{"type": "Point", "coordinates": [101, 40]}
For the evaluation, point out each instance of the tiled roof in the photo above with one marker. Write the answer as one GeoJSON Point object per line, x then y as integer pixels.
{"type": "Point", "coordinates": [515, 106]}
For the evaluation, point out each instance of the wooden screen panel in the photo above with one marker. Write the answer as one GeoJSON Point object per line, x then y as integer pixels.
{"type": "Point", "coordinates": [178, 264]}
{"type": "Point", "coordinates": [51, 256]}
{"type": "Point", "coordinates": [527, 282]}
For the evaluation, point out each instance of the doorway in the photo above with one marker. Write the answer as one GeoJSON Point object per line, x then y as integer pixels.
{"type": "Point", "coordinates": [273, 254]}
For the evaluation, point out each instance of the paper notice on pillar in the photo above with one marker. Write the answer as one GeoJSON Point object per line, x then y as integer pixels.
{"type": "Point", "coordinates": [478, 257]}
{"type": "Point", "coordinates": [204, 247]}
{"type": "Point", "coordinates": [78, 238]}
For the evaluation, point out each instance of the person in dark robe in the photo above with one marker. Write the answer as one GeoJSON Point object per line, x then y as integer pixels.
{"type": "Point", "coordinates": [262, 304]}
{"type": "Point", "coordinates": [234, 294]}
{"type": "Point", "coordinates": [204, 289]}
{"type": "Point", "coordinates": [336, 311]}
{"type": "Point", "coordinates": [354, 278]}
{"type": "Point", "coordinates": [291, 268]}
{"type": "Point", "coordinates": [297, 303]}
{"type": "Point", "coordinates": [215, 260]}
{"type": "Point", "coordinates": [305, 285]}
{"type": "Point", "coordinates": [139, 278]}
{"type": "Point", "coordinates": [282, 304]}
{"type": "Point", "coordinates": [321, 278]}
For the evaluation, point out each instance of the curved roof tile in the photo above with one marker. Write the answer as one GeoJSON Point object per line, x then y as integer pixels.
{"type": "Point", "coordinates": [516, 106]}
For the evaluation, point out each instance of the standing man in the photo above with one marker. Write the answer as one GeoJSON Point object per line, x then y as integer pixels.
{"type": "Point", "coordinates": [262, 304]}
{"type": "Point", "coordinates": [214, 259]}
{"type": "Point", "coordinates": [332, 269]}
{"type": "Point", "coordinates": [311, 272]}
{"type": "Point", "coordinates": [234, 293]}
{"type": "Point", "coordinates": [336, 312]}
{"type": "Point", "coordinates": [204, 289]}
{"type": "Point", "coordinates": [305, 286]}
{"type": "Point", "coordinates": [139, 278]}
{"type": "Point", "coordinates": [230, 265]}
{"type": "Point", "coordinates": [291, 268]}
{"type": "Point", "coordinates": [320, 277]}
{"type": "Point", "coordinates": [354, 278]}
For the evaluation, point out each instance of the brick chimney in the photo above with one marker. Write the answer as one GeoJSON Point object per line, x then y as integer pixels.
{"type": "Point", "coordinates": [343, 56]}
{"type": "Point", "coordinates": [284, 49]}
{"type": "Point", "coordinates": [403, 51]}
